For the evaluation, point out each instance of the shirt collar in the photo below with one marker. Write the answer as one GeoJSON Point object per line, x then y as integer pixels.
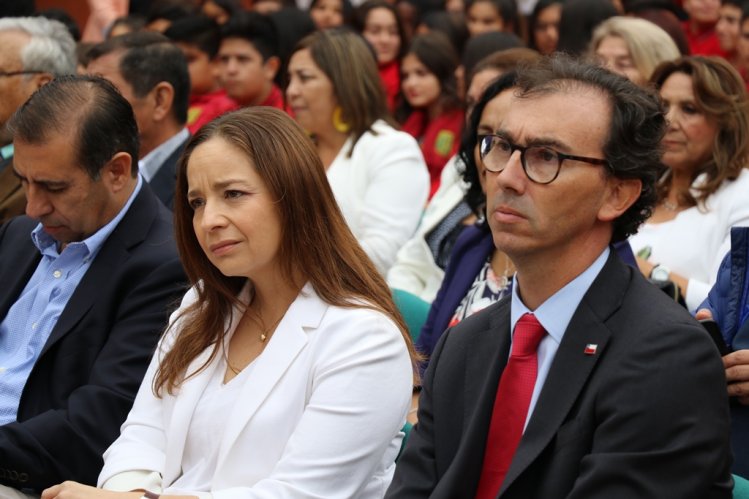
{"type": "Point", "coordinates": [90, 246]}
{"type": "Point", "coordinates": [556, 312]}
{"type": "Point", "coordinates": [152, 161]}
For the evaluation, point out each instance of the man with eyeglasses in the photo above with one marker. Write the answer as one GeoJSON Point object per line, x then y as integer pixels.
{"type": "Point", "coordinates": [33, 50]}
{"type": "Point", "coordinates": [588, 382]}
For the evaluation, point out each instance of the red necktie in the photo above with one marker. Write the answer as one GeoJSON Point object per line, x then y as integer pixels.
{"type": "Point", "coordinates": [511, 405]}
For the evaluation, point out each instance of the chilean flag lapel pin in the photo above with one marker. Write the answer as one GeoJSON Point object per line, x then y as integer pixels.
{"type": "Point", "coordinates": [590, 349]}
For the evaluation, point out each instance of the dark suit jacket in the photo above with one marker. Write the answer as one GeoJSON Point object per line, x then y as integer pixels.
{"type": "Point", "coordinates": [164, 182]}
{"type": "Point", "coordinates": [12, 197]}
{"type": "Point", "coordinates": [85, 380]}
{"type": "Point", "coordinates": [645, 417]}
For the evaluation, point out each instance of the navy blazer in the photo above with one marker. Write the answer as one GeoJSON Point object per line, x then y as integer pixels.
{"type": "Point", "coordinates": [644, 416]}
{"type": "Point", "coordinates": [84, 382]}
{"type": "Point", "coordinates": [164, 183]}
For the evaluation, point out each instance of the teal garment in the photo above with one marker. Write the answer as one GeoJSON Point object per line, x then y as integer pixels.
{"type": "Point", "coordinates": [413, 309]}
{"type": "Point", "coordinates": [740, 487]}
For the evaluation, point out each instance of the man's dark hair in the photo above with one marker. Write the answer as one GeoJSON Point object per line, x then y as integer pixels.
{"type": "Point", "coordinates": [255, 28]}
{"type": "Point", "coordinates": [633, 146]}
{"type": "Point", "coordinates": [149, 58]}
{"type": "Point", "coordinates": [201, 31]}
{"type": "Point", "coordinates": [171, 10]}
{"type": "Point", "coordinates": [104, 119]}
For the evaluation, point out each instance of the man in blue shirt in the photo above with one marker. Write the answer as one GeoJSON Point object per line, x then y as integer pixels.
{"type": "Point", "coordinates": [88, 277]}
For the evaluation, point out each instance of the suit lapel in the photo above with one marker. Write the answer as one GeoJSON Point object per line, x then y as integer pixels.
{"type": "Point", "coordinates": [282, 349]}
{"type": "Point", "coordinates": [571, 366]}
{"type": "Point", "coordinates": [24, 262]}
{"type": "Point", "coordinates": [131, 230]}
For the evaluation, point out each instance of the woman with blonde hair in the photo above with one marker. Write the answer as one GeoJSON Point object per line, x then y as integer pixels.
{"type": "Point", "coordinates": [632, 47]}
{"type": "Point", "coordinates": [287, 370]}
{"type": "Point", "coordinates": [377, 173]}
{"type": "Point", "coordinates": [703, 190]}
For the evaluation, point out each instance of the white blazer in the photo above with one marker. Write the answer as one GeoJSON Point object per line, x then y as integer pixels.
{"type": "Point", "coordinates": [381, 190]}
{"type": "Point", "coordinates": [318, 417]}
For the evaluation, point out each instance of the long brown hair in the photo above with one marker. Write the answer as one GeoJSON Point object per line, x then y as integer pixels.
{"type": "Point", "coordinates": [316, 242]}
{"type": "Point", "coordinates": [351, 66]}
{"type": "Point", "coordinates": [720, 93]}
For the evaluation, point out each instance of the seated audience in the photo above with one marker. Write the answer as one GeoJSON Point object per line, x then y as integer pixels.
{"type": "Point", "coordinates": [578, 20]}
{"type": "Point", "coordinates": [543, 26]}
{"type": "Point", "coordinates": [420, 264]}
{"type": "Point", "coordinates": [431, 110]}
{"type": "Point", "coordinates": [702, 192]}
{"type": "Point", "coordinates": [632, 47]}
{"type": "Point", "coordinates": [151, 73]}
{"type": "Point", "coordinates": [377, 173]}
{"type": "Point", "coordinates": [287, 370]}
{"type": "Point", "coordinates": [88, 279]}
{"type": "Point", "coordinates": [221, 10]}
{"type": "Point", "coordinates": [330, 13]}
{"type": "Point", "coordinates": [728, 305]}
{"type": "Point", "coordinates": [379, 23]}
{"type": "Point", "coordinates": [198, 37]}
{"type": "Point", "coordinates": [34, 51]}
{"type": "Point", "coordinates": [700, 27]}
{"type": "Point", "coordinates": [586, 382]}
{"type": "Point", "coordinates": [728, 29]}
{"type": "Point", "coordinates": [126, 24]}
{"type": "Point", "coordinates": [248, 60]}
{"type": "Point", "coordinates": [490, 15]}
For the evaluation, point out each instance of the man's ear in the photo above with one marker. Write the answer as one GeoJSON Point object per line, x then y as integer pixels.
{"type": "Point", "coordinates": [41, 79]}
{"type": "Point", "coordinates": [162, 97]}
{"type": "Point", "coordinates": [117, 173]}
{"type": "Point", "coordinates": [270, 67]}
{"type": "Point", "coordinates": [621, 194]}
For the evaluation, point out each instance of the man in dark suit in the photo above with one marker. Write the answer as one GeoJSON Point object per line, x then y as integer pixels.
{"type": "Point", "coordinates": [151, 72]}
{"type": "Point", "coordinates": [588, 382]}
{"type": "Point", "coordinates": [34, 50]}
{"type": "Point", "coordinates": [88, 279]}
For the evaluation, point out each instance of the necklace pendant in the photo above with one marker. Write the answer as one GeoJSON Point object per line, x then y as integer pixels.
{"type": "Point", "coordinates": [263, 336]}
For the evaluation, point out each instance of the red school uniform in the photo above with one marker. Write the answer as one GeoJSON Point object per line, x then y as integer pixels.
{"type": "Point", "coordinates": [205, 107]}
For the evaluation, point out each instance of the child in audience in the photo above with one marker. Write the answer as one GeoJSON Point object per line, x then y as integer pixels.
{"type": "Point", "coordinates": [491, 15]}
{"type": "Point", "coordinates": [431, 110]}
{"type": "Point", "coordinates": [198, 38]}
{"type": "Point", "coordinates": [248, 60]}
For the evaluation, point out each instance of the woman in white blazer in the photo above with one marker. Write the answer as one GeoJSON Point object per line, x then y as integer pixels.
{"type": "Point", "coordinates": [287, 371]}
{"type": "Point", "coordinates": [377, 173]}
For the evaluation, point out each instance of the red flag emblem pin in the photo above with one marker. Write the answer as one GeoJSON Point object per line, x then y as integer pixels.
{"type": "Point", "coordinates": [590, 349]}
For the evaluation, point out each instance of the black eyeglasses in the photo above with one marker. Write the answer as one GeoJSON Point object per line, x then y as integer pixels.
{"type": "Point", "coordinates": [23, 72]}
{"type": "Point", "coordinates": [541, 164]}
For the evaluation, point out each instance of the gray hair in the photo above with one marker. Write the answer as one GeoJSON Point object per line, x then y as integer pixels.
{"type": "Point", "coordinates": [51, 48]}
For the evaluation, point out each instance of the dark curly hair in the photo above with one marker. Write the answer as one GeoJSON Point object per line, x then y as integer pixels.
{"type": "Point", "coordinates": [638, 124]}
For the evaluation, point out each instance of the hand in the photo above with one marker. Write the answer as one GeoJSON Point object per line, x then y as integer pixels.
{"type": "Point", "coordinates": [75, 490]}
{"type": "Point", "coordinates": [737, 375]}
{"type": "Point", "coordinates": [704, 314]}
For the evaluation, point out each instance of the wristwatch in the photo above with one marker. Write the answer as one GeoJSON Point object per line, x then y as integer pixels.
{"type": "Point", "coordinates": [660, 273]}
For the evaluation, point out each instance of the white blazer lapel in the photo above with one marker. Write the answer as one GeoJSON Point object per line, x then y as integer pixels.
{"type": "Point", "coordinates": [283, 347]}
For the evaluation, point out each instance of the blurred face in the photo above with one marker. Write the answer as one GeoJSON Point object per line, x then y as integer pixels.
{"type": "Point", "coordinates": [728, 27]}
{"type": "Point", "coordinates": [544, 222]}
{"type": "Point", "coordinates": [15, 89]}
{"type": "Point", "coordinates": [703, 11]}
{"type": "Point", "coordinates": [310, 93]}
{"type": "Point", "coordinates": [243, 72]}
{"type": "Point", "coordinates": [210, 9]}
{"type": "Point", "coordinates": [546, 31]}
{"type": "Point", "coordinates": [420, 86]}
{"type": "Point", "coordinates": [59, 193]}
{"type": "Point", "coordinates": [234, 214]}
{"type": "Point", "coordinates": [742, 48]}
{"type": "Point", "coordinates": [201, 68]}
{"type": "Point", "coordinates": [478, 84]}
{"type": "Point", "coordinates": [688, 144]}
{"type": "Point", "coordinates": [327, 13]}
{"type": "Point", "coordinates": [614, 55]}
{"type": "Point", "coordinates": [483, 17]}
{"type": "Point", "coordinates": [381, 31]}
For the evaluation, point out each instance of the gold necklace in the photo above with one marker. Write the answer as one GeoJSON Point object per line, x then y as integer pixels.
{"type": "Point", "coordinates": [263, 336]}
{"type": "Point", "coordinates": [670, 206]}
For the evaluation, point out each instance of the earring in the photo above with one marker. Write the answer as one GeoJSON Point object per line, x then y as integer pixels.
{"type": "Point", "coordinates": [338, 122]}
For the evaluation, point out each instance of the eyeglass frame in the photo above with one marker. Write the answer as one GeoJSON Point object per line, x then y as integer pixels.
{"type": "Point", "coordinates": [561, 157]}
{"type": "Point", "coordinates": [21, 72]}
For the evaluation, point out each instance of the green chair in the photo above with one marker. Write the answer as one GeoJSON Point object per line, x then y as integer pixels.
{"type": "Point", "coordinates": [413, 309]}
{"type": "Point", "coordinates": [740, 487]}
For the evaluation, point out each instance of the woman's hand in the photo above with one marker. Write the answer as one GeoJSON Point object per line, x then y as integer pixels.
{"type": "Point", "coordinates": [75, 490]}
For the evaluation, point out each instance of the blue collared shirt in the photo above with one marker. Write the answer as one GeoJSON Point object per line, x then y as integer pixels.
{"type": "Point", "coordinates": [30, 320]}
{"type": "Point", "coordinates": [554, 315]}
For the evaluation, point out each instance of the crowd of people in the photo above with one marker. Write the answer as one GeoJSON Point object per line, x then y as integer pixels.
{"type": "Point", "coordinates": [208, 206]}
